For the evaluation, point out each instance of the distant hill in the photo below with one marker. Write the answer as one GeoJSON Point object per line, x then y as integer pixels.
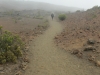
{"type": "Point", "coordinates": [30, 5]}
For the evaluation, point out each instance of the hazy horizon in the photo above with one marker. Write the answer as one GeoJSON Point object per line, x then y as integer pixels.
{"type": "Point", "coordinates": [31, 5]}
{"type": "Point", "coordinates": [85, 4]}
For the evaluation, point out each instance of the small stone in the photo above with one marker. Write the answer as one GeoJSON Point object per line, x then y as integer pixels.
{"type": "Point", "coordinates": [79, 55]}
{"type": "Point", "coordinates": [27, 48]}
{"type": "Point", "coordinates": [91, 41]}
{"type": "Point", "coordinates": [1, 68]}
{"type": "Point", "coordinates": [98, 41]}
{"type": "Point", "coordinates": [91, 58]}
{"type": "Point", "coordinates": [98, 51]}
{"type": "Point", "coordinates": [16, 68]}
{"type": "Point", "coordinates": [78, 66]}
{"type": "Point", "coordinates": [98, 63]}
{"type": "Point", "coordinates": [23, 66]}
{"type": "Point", "coordinates": [75, 51]}
{"type": "Point", "coordinates": [97, 46]}
{"type": "Point", "coordinates": [89, 48]}
{"type": "Point", "coordinates": [2, 72]}
{"type": "Point", "coordinates": [26, 59]}
{"type": "Point", "coordinates": [18, 73]}
{"type": "Point", "coordinates": [56, 37]}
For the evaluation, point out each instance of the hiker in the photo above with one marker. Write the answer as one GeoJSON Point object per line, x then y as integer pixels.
{"type": "Point", "coordinates": [52, 15]}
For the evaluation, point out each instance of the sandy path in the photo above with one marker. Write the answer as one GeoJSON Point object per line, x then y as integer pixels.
{"type": "Point", "coordinates": [47, 59]}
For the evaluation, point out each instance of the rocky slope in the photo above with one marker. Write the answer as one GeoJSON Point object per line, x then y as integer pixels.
{"type": "Point", "coordinates": [81, 28]}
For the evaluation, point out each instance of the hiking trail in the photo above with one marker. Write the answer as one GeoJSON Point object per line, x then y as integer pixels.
{"type": "Point", "coordinates": [47, 59]}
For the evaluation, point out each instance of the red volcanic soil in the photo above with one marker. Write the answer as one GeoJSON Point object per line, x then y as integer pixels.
{"type": "Point", "coordinates": [80, 29]}
{"type": "Point", "coordinates": [27, 26]}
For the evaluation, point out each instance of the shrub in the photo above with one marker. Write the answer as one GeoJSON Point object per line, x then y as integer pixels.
{"type": "Point", "coordinates": [15, 21]}
{"type": "Point", "coordinates": [93, 15]}
{"type": "Point", "coordinates": [0, 30]}
{"type": "Point", "coordinates": [62, 17]}
{"type": "Point", "coordinates": [38, 17]}
{"type": "Point", "coordinates": [10, 47]}
{"type": "Point", "coordinates": [94, 7]}
{"type": "Point", "coordinates": [78, 11]}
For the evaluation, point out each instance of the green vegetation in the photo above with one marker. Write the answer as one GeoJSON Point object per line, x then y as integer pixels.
{"type": "Point", "coordinates": [10, 47]}
{"type": "Point", "coordinates": [94, 7]}
{"type": "Point", "coordinates": [0, 30]}
{"type": "Point", "coordinates": [93, 15]}
{"type": "Point", "coordinates": [38, 17]}
{"type": "Point", "coordinates": [15, 21]}
{"type": "Point", "coordinates": [45, 24]}
{"type": "Point", "coordinates": [62, 17]}
{"type": "Point", "coordinates": [46, 21]}
{"type": "Point", "coordinates": [78, 11]}
{"type": "Point", "coordinates": [39, 25]}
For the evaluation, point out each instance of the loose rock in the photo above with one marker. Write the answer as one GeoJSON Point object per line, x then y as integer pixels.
{"type": "Point", "coordinates": [97, 63]}
{"type": "Point", "coordinates": [91, 58]}
{"type": "Point", "coordinates": [23, 66]}
{"type": "Point", "coordinates": [89, 48]}
{"type": "Point", "coordinates": [1, 68]}
{"type": "Point", "coordinates": [26, 59]}
{"type": "Point", "coordinates": [18, 73]}
{"type": "Point", "coordinates": [75, 51]}
{"type": "Point", "coordinates": [56, 37]}
{"type": "Point", "coordinates": [91, 41]}
{"type": "Point", "coordinates": [80, 54]}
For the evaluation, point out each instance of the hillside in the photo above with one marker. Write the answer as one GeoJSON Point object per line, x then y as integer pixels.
{"type": "Point", "coordinates": [81, 35]}
{"type": "Point", "coordinates": [30, 5]}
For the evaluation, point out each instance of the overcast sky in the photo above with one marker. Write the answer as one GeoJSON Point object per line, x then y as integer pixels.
{"type": "Point", "coordinates": [75, 3]}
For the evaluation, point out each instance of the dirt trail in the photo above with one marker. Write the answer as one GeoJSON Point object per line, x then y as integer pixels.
{"type": "Point", "coordinates": [47, 59]}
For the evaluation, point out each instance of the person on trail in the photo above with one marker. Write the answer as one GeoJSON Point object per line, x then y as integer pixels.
{"type": "Point", "coordinates": [52, 16]}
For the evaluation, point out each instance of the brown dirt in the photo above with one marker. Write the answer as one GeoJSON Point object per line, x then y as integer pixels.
{"type": "Point", "coordinates": [27, 27]}
{"type": "Point", "coordinates": [47, 59]}
{"type": "Point", "coordinates": [78, 28]}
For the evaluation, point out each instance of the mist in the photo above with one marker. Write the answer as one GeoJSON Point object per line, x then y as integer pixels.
{"type": "Point", "coordinates": [85, 4]}
{"type": "Point", "coordinates": [31, 5]}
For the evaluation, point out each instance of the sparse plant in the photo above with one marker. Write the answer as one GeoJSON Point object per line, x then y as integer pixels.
{"type": "Point", "coordinates": [39, 25]}
{"type": "Point", "coordinates": [38, 17]}
{"type": "Point", "coordinates": [19, 18]}
{"type": "Point", "coordinates": [94, 7]}
{"type": "Point", "coordinates": [45, 25]}
{"type": "Point", "coordinates": [10, 47]}
{"type": "Point", "coordinates": [46, 21]}
{"type": "Point", "coordinates": [15, 21]}
{"type": "Point", "coordinates": [62, 17]}
{"type": "Point", "coordinates": [94, 16]}
{"type": "Point", "coordinates": [78, 11]}
{"type": "Point", "coordinates": [0, 30]}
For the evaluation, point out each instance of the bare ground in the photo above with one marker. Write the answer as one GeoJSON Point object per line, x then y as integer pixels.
{"type": "Point", "coordinates": [27, 28]}
{"type": "Point", "coordinates": [79, 28]}
{"type": "Point", "coordinates": [47, 59]}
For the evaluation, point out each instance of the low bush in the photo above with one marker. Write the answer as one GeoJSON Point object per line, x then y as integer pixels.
{"type": "Point", "coordinates": [62, 17]}
{"type": "Point", "coordinates": [10, 47]}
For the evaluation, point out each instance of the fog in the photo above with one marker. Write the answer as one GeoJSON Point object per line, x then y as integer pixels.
{"type": "Point", "coordinates": [50, 5]}
{"type": "Point", "coordinates": [31, 5]}
{"type": "Point", "coordinates": [86, 4]}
